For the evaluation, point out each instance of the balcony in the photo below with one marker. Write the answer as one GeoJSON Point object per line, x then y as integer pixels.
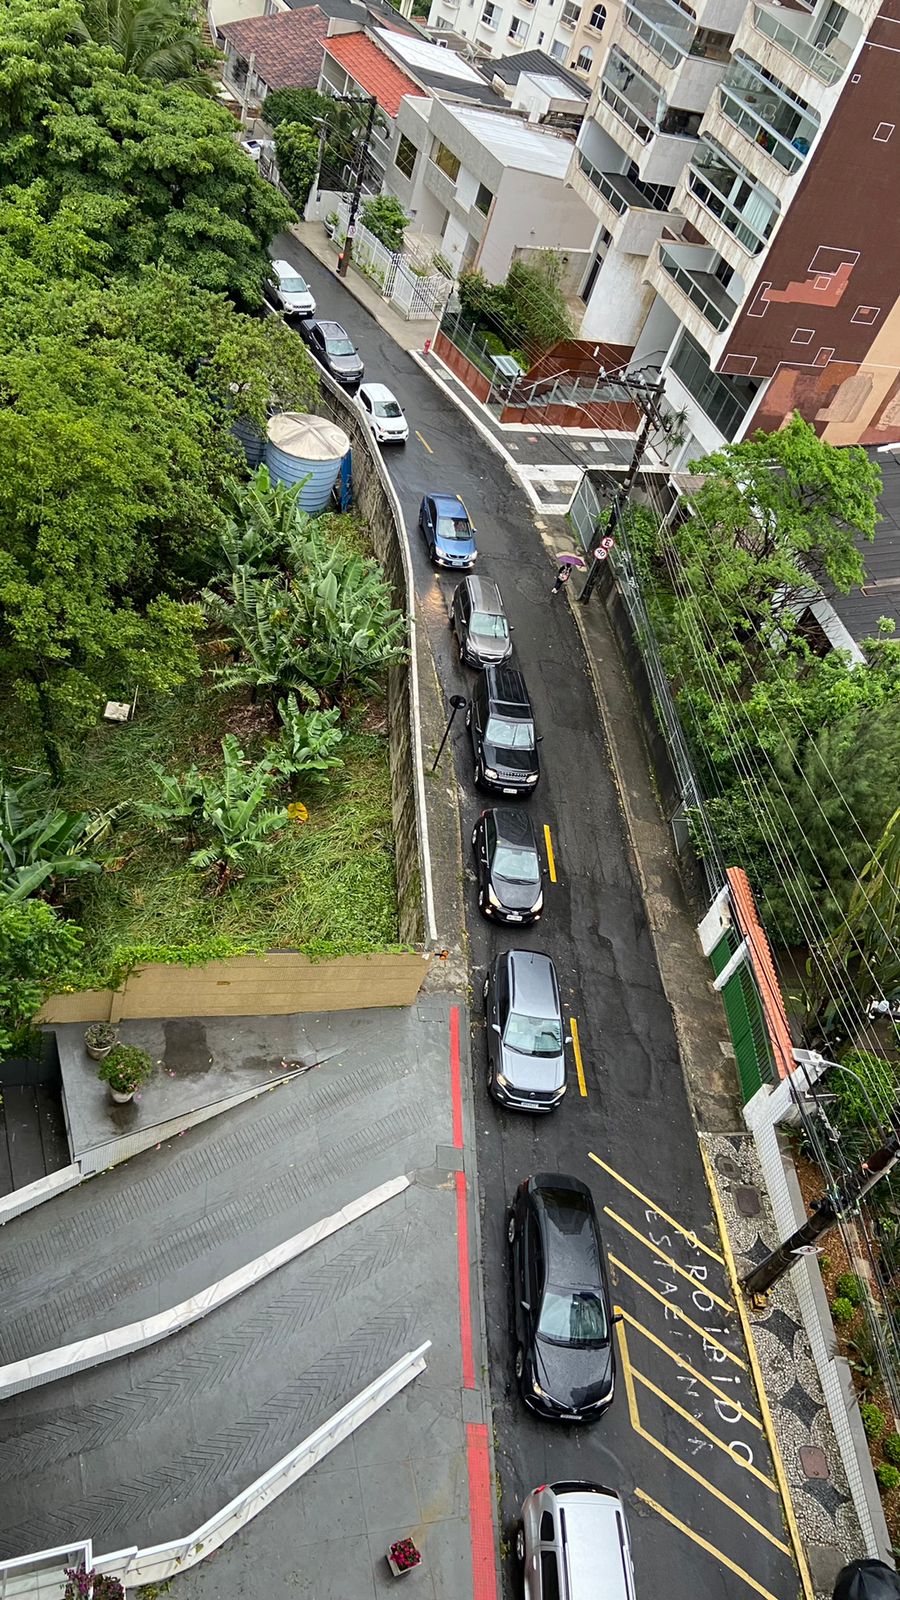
{"type": "Point", "coordinates": [728, 193]}
{"type": "Point", "coordinates": [828, 65]}
{"type": "Point", "coordinates": [767, 114]}
{"type": "Point", "coordinates": [724, 400]}
{"type": "Point", "coordinates": [634, 214]}
{"type": "Point", "coordinates": [701, 287]}
{"type": "Point", "coordinates": [663, 27]}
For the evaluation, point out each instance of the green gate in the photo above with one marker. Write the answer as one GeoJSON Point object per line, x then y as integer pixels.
{"type": "Point", "coordinates": [746, 1024]}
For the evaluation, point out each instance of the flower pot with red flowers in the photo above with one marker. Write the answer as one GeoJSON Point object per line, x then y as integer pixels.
{"type": "Point", "coordinates": [402, 1557]}
{"type": "Point", "coordinates": [124, 1070]}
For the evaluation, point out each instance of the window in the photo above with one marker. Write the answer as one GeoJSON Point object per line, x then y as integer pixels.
{"type": "Point", "coordinates": [549, 1575]}
{"type": "Point", "coordinates": [446, 160]}
{"type": "Point", "coordinates": [483, 199]}
{"type": "Point", "coordinates": [598, 18]}
{"type": "Point", "coordinates": [741, 204]}
{"type": "Point", "coordinates": [518, 30]}
{"type": "Point", "coordinates": [489, 16]}
{"type": "Point", "coordinates": [725, 400]}
{"type": "Point", "coordinates": [405, 156]}
{"type": "Point", "coordinates": [546, 1527]}
{"type": "Point", "coordinates": [570, 13]}
{"type": "Point", "coordinates": [558, 49]}
{"type": "Point", "coordinates": [585, 59]}
{"type": "Point", "coordinates": [830, 26]}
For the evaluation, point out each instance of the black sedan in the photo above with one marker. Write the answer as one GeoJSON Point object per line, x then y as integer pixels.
{"type": "Point", "coordinates": [333, 347]}
{"type": "Point", "coordinates": [565, 1360]}
{"type": "Point", "coordinates": [508, 866]}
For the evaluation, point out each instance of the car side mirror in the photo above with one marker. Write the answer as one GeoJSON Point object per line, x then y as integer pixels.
{"type": "Point", "coordinates": [617, 1317]}
{"type": "Point", "coordinates": [568, 1038]}
{"type": "Point", "coordinates": [526, 1306]}
{"type": "Point", "coordinates": [540, 738]}
{"type": "Point", "coordinates": [495, 1027]}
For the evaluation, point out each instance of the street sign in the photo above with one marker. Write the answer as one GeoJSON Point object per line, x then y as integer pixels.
{"type": "Point", "coordinates": [600, 554]}
{"type": "Point", "coordinates": [607, 543]}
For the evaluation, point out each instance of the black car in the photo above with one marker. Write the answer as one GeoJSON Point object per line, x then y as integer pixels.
{"type": "Point", "coordinates": [526, 1055]}
{"type": "Point", "coordinates": [479, 621]}
{"type": "Point", "coordinates": [332, 345]}
{"type": "Point", "coordinates": [565, 1358]}
{"type": "Point", "coordinates": [508, 866]}
{"type": "Point", "coordinates": [501, 724]}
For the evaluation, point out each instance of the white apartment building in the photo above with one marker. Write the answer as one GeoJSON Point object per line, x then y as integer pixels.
{"type": "Point", "coordinates": [571, 32]}
{"type": "Point", "coordinates": [742, 161]}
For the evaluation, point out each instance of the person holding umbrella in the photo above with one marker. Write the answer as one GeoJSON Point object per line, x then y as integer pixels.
{"type": "Point", "coordinates": [564, 571]}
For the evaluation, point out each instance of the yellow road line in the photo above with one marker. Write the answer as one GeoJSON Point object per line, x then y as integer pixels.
{"type": "Point", "coordinates": [551, 860]}
{"type": "Point", "coordinates": [778, 1464]}
{"type": "Point", "coordinates": [682, 1271]}
{"type": "Point", "coordinates": [579, 1064]}
{"type": "Point", "coordinates": [739, 1460]}
{"type": "Point", "coordinates": [676, 1460]}
{"type": "Point", "coordinates": [704, 1544]}
{"type": "Point", "coordinates": [676, 1311]}
{"type": "Point", "coordinates": [679, 1361]}
{"type": "Point", "coordinates": [687, 1233]}
{"type": "Point", "coordinates": [424, 442]}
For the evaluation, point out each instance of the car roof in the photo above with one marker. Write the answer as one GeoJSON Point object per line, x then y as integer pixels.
{"type": "Point", "coordinates": [506, 683]}
{"type": "Point", "coordinates": [532, 977]}
{"type": "Point", "coordinates": [377, 391]}
{"type": "Point", "coordinates": [514, 827]}
{"type": "Point", "coordinates": [449, 505]}
{"type": "Point", "coordinates": [569, 1227]}
{"type": "Point", "coordinates": [596, 1539]}
{"type": "Point", "coordinates": [485, 595]}
{"type": "Point", "coordinates": [331, 328]}
{"type": "Point", "coordinates": [285, 270]}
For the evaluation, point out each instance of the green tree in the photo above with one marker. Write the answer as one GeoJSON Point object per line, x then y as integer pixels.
{"type": "Point", "coordinates": [384, 216]}
{"type": "Point", "coordinates": [125, 172]}
{"type": "Point", "coordinates": [537, 303]}
{"type": "Point", "coordinates": [297, 153]}
{"type": "Point", "coordinates": [157, 40]}
{"type": "Point", "coordinates": [39, 953]}
{"type": "Point", "coordinates": [306, 106]}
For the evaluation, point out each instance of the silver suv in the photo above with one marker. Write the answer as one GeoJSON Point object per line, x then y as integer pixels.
{"type": "Point", "coordinates": [573, 1543]}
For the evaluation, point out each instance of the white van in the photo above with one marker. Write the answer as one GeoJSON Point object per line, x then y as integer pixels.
{"type": "Point", "coordinates": [573, 1543]}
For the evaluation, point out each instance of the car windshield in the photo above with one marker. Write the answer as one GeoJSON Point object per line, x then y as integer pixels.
{"type": "Point", "coordinates": [489, 626]}
{"type": "Point", "coordinates": [518, 866]}
{"type": "Point", "coordinates": [340, 347]}
{"type": "Point", "coordinates": [573, 1316]}
{"type": "Point", "coordinates": [533, 1036]}
{"type": "Point", "coordinates": [387, 408]}
{"type": "Point", "coordinates": [294, 286]}
{"type": "Point", "coordinates": [453, 528]}
{"type": "Point", "coordinates": [510, 735]}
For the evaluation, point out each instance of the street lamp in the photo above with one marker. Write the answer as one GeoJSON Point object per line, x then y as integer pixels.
{"type": "Point", "coordinates": [458, 702]}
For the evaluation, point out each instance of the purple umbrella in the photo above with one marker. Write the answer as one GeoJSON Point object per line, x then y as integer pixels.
{"type": "Point", "coordinates": [570, 561]}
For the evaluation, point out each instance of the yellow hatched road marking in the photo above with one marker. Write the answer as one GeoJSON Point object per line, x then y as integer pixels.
{"type": "Point", "coordinates": [579, 1064]}
{"type": "Point", "coordinates": [676, 1460]}
{"type": "Point", "coordinates": [551, 859]}
{"type": "Point", "coordinates": [679, 1361]}
{"type": "Point", "coordinates": [424, 442]}
{"type": "Point", "coordinates": [687, 1233]}
{"type": "Point", "coordinates": [695, 1422]}
{"type": "Point", "coordinates": [704, 1544]}
{"type": "Point", "coordinates": [682, 1271]}
{"type": "Point", "coordinates": [677, 1312]}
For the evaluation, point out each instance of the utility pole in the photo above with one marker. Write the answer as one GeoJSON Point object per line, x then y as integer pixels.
{"type": "Point", "coordinates": [648, 402]}
{"type": "Point", "coordinates": [827, 1211]}
{"type": "Point", "coordinates": [346, 254]}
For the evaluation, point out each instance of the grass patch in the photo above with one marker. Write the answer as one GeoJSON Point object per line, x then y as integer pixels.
{"type": "Point", "coordinates": [327, 886]}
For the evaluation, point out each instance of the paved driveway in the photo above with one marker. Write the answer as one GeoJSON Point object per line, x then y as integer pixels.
{"type": "Point", "coordinates": [702, 1522]}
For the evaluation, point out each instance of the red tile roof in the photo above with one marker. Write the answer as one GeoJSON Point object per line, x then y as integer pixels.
{"type": "Point", "coordinates": [288, 46]}
{"type": "Point", "coordinates": [375, 73]}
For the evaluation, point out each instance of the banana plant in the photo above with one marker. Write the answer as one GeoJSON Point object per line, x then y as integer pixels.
{"type": "Point", "coordinates": [229, 816]}
{"type": "Point", "coordinates": [308, 741]}
{"type": "Point", "coordinates": [41, 843]}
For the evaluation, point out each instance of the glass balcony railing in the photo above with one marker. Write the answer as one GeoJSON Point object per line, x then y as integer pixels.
{"type": "Point", "coordinates": [732, 195]}
{"type": "Point", "coordinates": [711, 301]}
{"type": "Point", "coordinates": [626, 192]}
{"type": "Point", "coordinates": [602, 184]}
{"type": "Point", "coordinates": [825, 67]}
{"type": "Point", "coordinates": [725, 400]}
{"type": "Point", "coordinates": [663, 27]}
{"type": "Point", "coordinates": [770, 114]}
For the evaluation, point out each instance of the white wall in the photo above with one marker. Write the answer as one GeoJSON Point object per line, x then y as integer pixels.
{"type": "Point", "coordinates": [536, 212]}
{"type": "Point", "coordinates": [236, 10]}
{"type": "Point", "coordinates": [620, 300]}
{"type": "Point", "coordinates": [455, 240]}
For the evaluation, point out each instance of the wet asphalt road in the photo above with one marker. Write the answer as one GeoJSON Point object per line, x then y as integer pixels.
{"type": "Point", "coordinates": [682, 1441]}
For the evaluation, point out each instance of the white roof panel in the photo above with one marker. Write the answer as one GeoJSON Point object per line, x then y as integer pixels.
{"type": "Point", "coordinates": [430, 57]}
{"type": "Point", "coordinates": [514, 142]}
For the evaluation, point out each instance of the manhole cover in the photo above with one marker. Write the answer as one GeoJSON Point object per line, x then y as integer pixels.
{"type": "Point", "coordinates": [814, 1461]}
{"type": "Point", "coordinates": [727, 1167]}
{"type": "Point", "coordinates": [747, 1200]}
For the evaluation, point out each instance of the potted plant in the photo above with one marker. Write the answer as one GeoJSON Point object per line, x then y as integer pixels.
{"type": "Point", "coordinates": [93, 1585]}
{"type": "Point", "coordinates": [402, 1557]}
{"type": "Point", "coordinates": [124, 1070]}
{"type": "Point", "coordinates": [99, 1039]}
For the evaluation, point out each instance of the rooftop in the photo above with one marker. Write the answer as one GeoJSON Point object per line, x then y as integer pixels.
{"type": "Point", "coordinates": [372, 69]}
{"type": "Point", "coordinates": [442, 71]}
{"type": "Point", "coordinates": [368, 15]}
{"type": "Point", "coordinates": [287, 46]}
{"type": "Point", "coordinates": [510, 69]}
{"type": "Point", "coordinates": [516, 143]}
{"type": "Point", "coordinates": [861, 609]}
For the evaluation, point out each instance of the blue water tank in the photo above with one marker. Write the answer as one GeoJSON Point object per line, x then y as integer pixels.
{"type": "Point", "coordinates": [301, 447]}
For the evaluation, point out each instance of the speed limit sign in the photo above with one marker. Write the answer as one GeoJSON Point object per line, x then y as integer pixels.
{"type": "Point", "coordinates": [603, 549]}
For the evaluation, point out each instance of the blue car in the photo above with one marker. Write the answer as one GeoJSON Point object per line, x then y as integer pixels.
{"type": "Point", "coordinates": [449, 534]}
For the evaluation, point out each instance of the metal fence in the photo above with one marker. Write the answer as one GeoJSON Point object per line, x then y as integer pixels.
{"type": "Point", "coordinates": [417, 293]}
{"type": "Point", "coordinates": [560, 389]}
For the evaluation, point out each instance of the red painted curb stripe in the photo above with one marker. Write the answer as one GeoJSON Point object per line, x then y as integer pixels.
{"type": "Point", "coordinates": [465, 1298]}
{"type": "Point", "coordinates": [455, 1080]}
{"type": "Point", "coordinates": [481, 1521]}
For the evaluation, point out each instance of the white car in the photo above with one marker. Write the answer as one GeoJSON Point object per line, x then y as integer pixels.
{"type": "Point", "coordinates": [383, 413]}
{"type": "Point", "coordinates": [291, 291]}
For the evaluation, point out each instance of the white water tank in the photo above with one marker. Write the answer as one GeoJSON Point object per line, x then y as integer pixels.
{"type": "Point", "coordinates": [308, 450]}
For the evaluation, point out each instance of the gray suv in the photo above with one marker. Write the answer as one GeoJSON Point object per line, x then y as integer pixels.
{"type": "Point", "coordinates": [525, 1046]}
{"type": "Point", "coordinates": [479, 622]}
{"type": "Point", "coordinates": [573, 1543]}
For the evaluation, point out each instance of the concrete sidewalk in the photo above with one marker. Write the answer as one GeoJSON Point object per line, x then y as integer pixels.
{"type": "Point", "coordinates": [144, 1449]}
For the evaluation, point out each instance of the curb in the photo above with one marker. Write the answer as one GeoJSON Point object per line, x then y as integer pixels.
{"type": "Point", "coordinates": [481, 427]}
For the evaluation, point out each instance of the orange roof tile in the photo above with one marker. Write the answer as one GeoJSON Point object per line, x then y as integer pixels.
{"type": "Point", "coordinates": [751, 928]}
{"type": "Point", "coordinates": [374, 71]}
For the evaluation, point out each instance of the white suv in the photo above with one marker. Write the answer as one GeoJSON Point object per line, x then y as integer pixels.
{"type": "Point", "coordinates": [573, 1543]}
{"type": "Point", "coordinates": [291, 291]}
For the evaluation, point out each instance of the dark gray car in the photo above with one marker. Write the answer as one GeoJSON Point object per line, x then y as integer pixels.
{"type": "Point", "coordinates": [523, 1021]}
{"type": "Point", "coordinates": [479, 622]}
{"type": "Point", "coordinates": [332, 345]}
